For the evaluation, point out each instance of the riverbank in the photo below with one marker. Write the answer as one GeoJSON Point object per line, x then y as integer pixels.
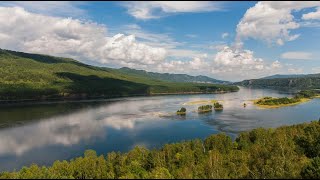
{"type": "Point", "coordinates": [85, 97]}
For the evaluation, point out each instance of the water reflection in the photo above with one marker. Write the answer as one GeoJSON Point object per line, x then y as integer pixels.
{"type": "Point", "coordinates": [63, 131]}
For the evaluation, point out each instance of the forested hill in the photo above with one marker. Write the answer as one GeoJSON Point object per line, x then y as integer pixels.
{"type": "Point", "coordinates": [276, 76]}
{"type": "Point", "coordinates": [173, 77]}
{"type": "Point", "coordinates": [310, 81]}
{"type": "Point", "coordinates": [41, 77]}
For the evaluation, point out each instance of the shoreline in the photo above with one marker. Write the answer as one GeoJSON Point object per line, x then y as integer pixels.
{"type": "Point", "coordinates": [81, 98]}
{"type": "Point", "coordinates": [303, 100]}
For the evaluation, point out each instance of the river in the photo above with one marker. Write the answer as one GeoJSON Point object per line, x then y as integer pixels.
{"type": "Point", "coordinates": [43, 133]}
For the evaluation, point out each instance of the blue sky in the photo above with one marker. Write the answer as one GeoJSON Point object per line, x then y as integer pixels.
{"type": "Point", "coordinates": [224, 40]}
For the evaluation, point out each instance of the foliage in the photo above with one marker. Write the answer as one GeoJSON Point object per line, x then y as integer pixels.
{"type": "Point", "coordinates": [306, 94]}
{"type": "Point", "coordinates": [277, 101]}
{"type": "Point", "coordinates": [217, 105]}
{"type": "Point", "coordinates": [205, 108]}
{"type": "Point", "coordinates": [172, 77]}
{"type": "Point", "coordinates": [312, 170]}
{"type": "Point", "coordinates": [182, 111]}
{"type": "Point", "coordinates": [38, 77]}
{"type": "Point", "coordinates": [260, 153]}
{"type": "Point", "coordinates": [311, 81]}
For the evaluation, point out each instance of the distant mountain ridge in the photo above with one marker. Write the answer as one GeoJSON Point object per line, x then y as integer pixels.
{"type": "Point", "coordinates": [173, 77]}
{"type": "Point", "coordinates": [276, 76]}
{"type": "Point", "coordinates": [307, 81]}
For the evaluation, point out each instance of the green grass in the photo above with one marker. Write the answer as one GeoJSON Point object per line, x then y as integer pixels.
{"type": "Point", "coordinates": [33, 76]}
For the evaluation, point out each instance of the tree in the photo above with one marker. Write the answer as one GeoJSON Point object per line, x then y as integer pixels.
{"type": "Point", "coordinates": [312, 170]}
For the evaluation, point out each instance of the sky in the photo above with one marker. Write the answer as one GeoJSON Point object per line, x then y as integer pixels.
{"type": "Point", "coordinates": [223, 40]}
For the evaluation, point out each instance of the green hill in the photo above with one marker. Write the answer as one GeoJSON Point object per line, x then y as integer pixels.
{"type": "Point", "coordinates": [173, 77]}
{"type": "Point", "coordinates": [40, 77]}
{"type": "Point", "coordinates": [310, 81]}
{"type": "Point", "coordinates": [276, 76]}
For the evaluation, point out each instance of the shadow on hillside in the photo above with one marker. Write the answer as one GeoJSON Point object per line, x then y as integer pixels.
{"type": "Point", "coordinates": [49, 59]}
{"type": "Point", "coordinates": [93, 85]}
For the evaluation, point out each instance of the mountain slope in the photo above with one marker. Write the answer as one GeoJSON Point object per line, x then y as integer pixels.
{"type": "Point", "coordinates": [310, 81]}
{"type": "Point", "coordinates": [34, 76]}
{"type": "Point", "coordinates": [276, 76]}
{"type": "Point", "coordinates": [173, 77]}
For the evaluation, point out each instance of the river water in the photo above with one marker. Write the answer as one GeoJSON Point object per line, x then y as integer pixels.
{"type": "Point", "coordinates": [43, 133]}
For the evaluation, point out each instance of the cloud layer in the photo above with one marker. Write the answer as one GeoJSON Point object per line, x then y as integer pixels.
{"type": "Point", "coordinates": [272, 21]}
{"type": "Point", "coordinates": [25, 31]}
{"type": "Point", "coordinates": [297, 55]}
{"type": "Point", "coordinates": [157, 9]}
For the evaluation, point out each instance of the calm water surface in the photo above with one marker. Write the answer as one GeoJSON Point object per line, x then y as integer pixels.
{"type": "Point", "coordinates": [44, 133]}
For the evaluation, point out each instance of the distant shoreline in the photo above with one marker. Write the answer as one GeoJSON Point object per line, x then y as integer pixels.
{"type": "Point", "coordinates": [82, 98]}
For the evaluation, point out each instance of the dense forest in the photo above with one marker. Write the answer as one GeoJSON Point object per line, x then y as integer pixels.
{"type": "Point", "coordinates": [34, 76]}
{"type": "Point", "coordinates": [277, 101]}
{"type": "Point", "coordinates": [299, 97]}
{"type": "Point", "coordinates": [173, 77]}
{"type": "Point", "coordinates": [311, 81]}
{"type": "Point", "coordinates": [284, 152]}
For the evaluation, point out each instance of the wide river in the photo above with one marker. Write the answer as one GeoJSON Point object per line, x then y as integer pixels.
{"type": "Point", "coordinates": [43, 133]}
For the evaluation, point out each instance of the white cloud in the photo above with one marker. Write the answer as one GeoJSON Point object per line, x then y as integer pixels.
{"type": "Point", "coordinates": [297, 55]}
{"type": "Point", "coordinates": [25, 31]}
{"type": "Point", "coordinates": [157, 9]}
{"type": "Point", "coordinates": [224, 35]}
{"type": "Point", "coordinates": [60, 8]}
{"type": "Point", "coordinates": [271, 21]}
{"type": "Point", "coordinates": [276, 64]}
{"type": "Point", "coordinates": [312, 15]}
{"type": "Point", "coordinates": [237, 64]}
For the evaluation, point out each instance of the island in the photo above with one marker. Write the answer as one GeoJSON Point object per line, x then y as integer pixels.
{"type": "Point", "coordinates": [182, 111]}
{"type": "Point", "coordinates": [205, 108]}
{"type": "Point", "coordinates": [218, 106]}
{"type": "Point", "coordinates": [272, 102]}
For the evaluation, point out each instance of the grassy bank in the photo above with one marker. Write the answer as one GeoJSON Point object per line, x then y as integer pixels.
{"type": "Point", "coordinates": [284, 152]}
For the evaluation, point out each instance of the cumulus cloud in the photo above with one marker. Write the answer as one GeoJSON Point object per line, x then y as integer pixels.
{"type": "Point", "coordinates": [237, 64]}
{"type": "Point", "coordinates": [312, 15]}
{"type": "Point", "coordinates": [25, 31]}
{"type": "Point", "coordinates": [157, 9]}
{"type": "Point", "coordinates": [297, 55]}
{"type": "Point", "coordinates": [271, 21]}
{"type": "Point", "coordinates": [55, 8]}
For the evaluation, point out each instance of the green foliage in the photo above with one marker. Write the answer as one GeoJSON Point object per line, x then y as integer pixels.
{"type": "Point", "coordinates": [312, 170]}
{"type": "Point", "coordinates": [205, 108]}
{"type": "Point", "coordinates": [182, 110]}
{"type": "Point", "coordinates": [217, 105]}
{"type": "Point", "coordinates": [277, 101]}
{"type": "Point", "coordinates": [285, 152]}
{"type": "Point", "coordinates": [306, 94]}
{"type": "Point", "coordinates": [311, 81]}
{"type": "Point", "coordinates": [26, 76]}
